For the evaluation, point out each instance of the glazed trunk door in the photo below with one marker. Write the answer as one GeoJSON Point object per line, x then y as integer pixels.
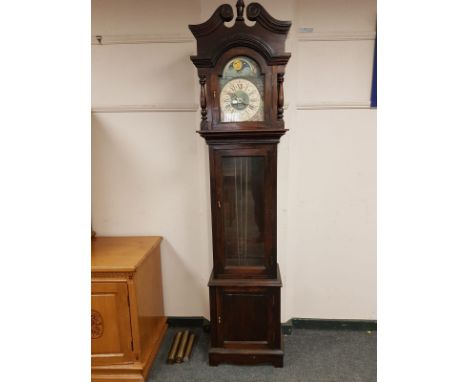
{"type": "Point", "coordinates": [245, 211]}
{"type": "Point", "coordinates": [111, 335]}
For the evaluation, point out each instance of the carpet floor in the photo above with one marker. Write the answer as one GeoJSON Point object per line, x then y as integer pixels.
{"type": "Point", "coordinates": [310, 355]}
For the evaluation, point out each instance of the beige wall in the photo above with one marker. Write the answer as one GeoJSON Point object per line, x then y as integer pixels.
{"type": "Point", "coordinates": [150, 168]}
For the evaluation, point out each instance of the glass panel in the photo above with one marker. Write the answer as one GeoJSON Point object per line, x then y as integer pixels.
{"type": "Point", "coordinates": [243, 210]}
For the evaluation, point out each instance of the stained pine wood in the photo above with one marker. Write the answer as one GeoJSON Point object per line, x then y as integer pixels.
{"type": "Point", "coordinates": [112, 339]}
{"type": "Point", "coordinates": [245, 302]}
{"type": "Point", "coordinates": [245, 321]}
{"type": "Point", "coordinates": [127, 306]}
{"type": "Point", "coordinates": [121, 253]}
{"type": "Point", "coordinates": [269, 153]}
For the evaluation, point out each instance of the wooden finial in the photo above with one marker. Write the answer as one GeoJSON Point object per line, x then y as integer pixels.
{"type": "Point", "coordinates": [240, 10]}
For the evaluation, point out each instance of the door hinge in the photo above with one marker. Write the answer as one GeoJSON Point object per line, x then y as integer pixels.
{"type": "Point", "coordinates": [219, 204]}
{"type": "Point", "coordinates": [219, 319]}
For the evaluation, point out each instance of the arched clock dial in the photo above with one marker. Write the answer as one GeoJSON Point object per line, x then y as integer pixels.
{"type": "Point", "coordinates": [240, 101]}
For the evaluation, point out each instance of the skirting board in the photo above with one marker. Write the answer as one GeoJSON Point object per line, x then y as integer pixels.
{"type": "Point", "coordinates": [288, 326]}
{"type": "Point", "coordinates": [190, 322]}
{"type": "Point", "coordinates": [324, 324]}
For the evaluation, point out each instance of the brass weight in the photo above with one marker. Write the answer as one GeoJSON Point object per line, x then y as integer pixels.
{"type": "Point", "coordinates": [181, 350]}
{"type": "Point", "coordinates": [189, 347]}
{"type": "Point", "coordinates": [175, 344]}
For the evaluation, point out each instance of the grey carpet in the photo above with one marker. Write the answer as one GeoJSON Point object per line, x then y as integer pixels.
{"type": "Point", "coordinates": [310, 355]}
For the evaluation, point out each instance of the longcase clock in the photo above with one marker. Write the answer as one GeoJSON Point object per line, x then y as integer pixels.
{"type": "Point", "coordinates": [241, 71]}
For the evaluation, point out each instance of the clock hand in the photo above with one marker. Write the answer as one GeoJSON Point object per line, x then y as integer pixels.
{"type": "Point", "coordinates": [237, 100]}
{"type": "Point", "coordinates": [234, 99]}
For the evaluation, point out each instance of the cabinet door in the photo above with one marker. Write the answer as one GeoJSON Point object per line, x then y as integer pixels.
{"type": "Point", "coordinates": [111, 335]}
{"type": "Point", "coordinates": [248, 319]}
{"type": "Point", "coordinates": [245, 210]}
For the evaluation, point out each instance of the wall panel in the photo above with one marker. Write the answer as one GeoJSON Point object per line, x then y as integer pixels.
{"type": "Point", "coordinates": [334, 71]}
{"type": "Point", "coordinates": [332, 214]}
{"type": "Point", "coordinates": [334, 16]}
{"type": "Point", "coordinates": [143, 17]}
{"type": "Point", "coordinates": [143, 74]}
{"type": "Point", "coordinates": [150, 177]}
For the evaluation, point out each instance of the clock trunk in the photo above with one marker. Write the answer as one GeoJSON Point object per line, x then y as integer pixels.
{"type": "Point", "coordinates": [243, 200]}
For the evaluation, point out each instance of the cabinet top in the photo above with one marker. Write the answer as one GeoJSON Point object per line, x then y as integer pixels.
{"type": "Point", "coordinates": [121, 254]}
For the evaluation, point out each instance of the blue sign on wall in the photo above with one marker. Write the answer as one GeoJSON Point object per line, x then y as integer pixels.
{"type": "Point", "coordinates": [374, 78]}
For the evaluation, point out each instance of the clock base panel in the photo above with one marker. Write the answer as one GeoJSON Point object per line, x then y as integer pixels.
{"type": "Point", "coordinates": [245, 321]}
{"type": "Point", "coordinates": [247, 356]}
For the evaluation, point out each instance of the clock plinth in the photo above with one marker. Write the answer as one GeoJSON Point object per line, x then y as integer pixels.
{"type": "Point", "coordinates": [245, 320]}
{"type": "Point", "coordinates": [241, 71]}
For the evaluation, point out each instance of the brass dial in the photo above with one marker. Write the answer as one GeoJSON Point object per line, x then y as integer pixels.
{"type": "Point", "coordinates": [240, 101]}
